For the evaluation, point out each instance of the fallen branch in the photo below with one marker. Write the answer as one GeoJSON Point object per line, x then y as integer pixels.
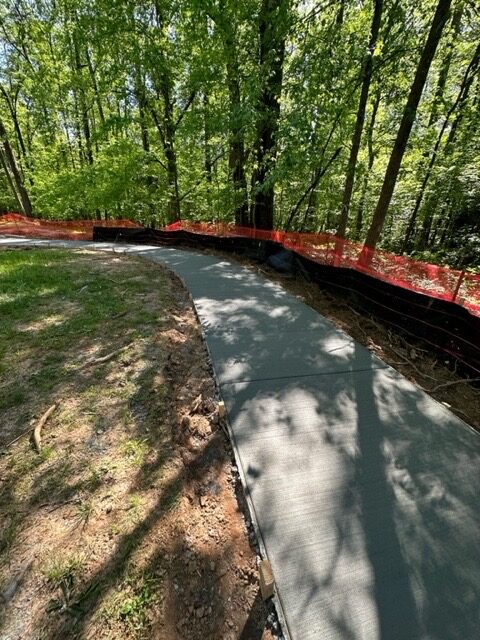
{"type": "Point", "coordinates": [451, 383]}
{"type": "Point", "coordinates": [24, 433]}
{"type": "Point", "coordinates": [410, 363]}
{"type": "Point", "coordinates": [109, 356]}
{"type": "Point", "coordinates": [37, 432]}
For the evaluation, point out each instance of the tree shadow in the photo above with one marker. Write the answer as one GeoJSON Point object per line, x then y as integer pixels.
{"type": "Point", "coordinates": [394, 510]}
{"type": "Point", "coordinates": [60, 483]}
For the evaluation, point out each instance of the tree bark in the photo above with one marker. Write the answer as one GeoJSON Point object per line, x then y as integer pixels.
{"type": "Point", "coordinates": [371, 160]}
{"type": "Point", "coordinates": [272, 32]}
{"type": "Point", "coordinates": [83, 103]}
{"type": "Point", "coordinates": [236, 156]}
{"type": "Point", "coordinates": [398, 151]}
{"type": "Point", "coordinates": [11, 163]}
{"type": "Point", "coordinates": [169, 150]}
{"type": "Point", "coordinates": [207, 160]}
{"type": "Point", "coordinates": [12, 107]}
{"type": "Point", "coordinates": [445, 68]}
{"type": "Point", "coordinates": [339, 18]}
{"type": "Point", "coordinates": [367, 69]}
{"type": "Point", "coordinates": [163, 83]}
{"type": "Point", "coordinates": [141, 98]}
{"type": "Point", "coordinates": [93, 79]}
{"type": "Point", "coordinates": [10, 181]}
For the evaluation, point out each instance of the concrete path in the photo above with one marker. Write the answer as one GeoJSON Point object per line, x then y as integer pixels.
{"type": "Point", "coordinates": [364, 490]}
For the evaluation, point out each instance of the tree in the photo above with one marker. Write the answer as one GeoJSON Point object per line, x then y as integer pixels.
{"type": "Point", "coordinates": [13, 173]}
{"type": "Point", "coordinates": [408, 118]}
{"type": "Point", "coordinates": [367, 70]}
{"type": "Point", "coordinates": [273, 25]}
{"type": "Point", "coordinates": [264, 112]}
{"type": "Point", "coordinates": [462, 96]}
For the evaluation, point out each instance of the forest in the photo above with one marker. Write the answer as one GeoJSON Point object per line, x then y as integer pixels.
{"type": "Point", "coordinates": [355, 117]}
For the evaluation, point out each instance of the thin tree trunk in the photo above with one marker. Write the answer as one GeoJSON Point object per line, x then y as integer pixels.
{"type": "Point", "coordinates": [310, 209]}
{"type": "Point", "coordinates": [93, 79]}
{"type": "Point", "coordinates": [381, 210]}
{"type": "Point", "coordinates": [11, 163]}
{"type": "Point", "coordinates": [141, 98]}
{"type": "Point", "coordinates": [445, 68]}
{"type": "Point", "coordinates": [207, 162]}
{"type": "Point", "coordinates": [316, 177]}
{"type": "Point", "coordinates": [83, 102]}
{"type": "Point", "coordinates": [371, 160]}
{"type": "Point", "coordinates": [339, 18]}
{"type": "Point", "coordinates": [170, 154]}
{"type": "Point", "coordinates": [168, 128]}
{"type": "Point", "coordinates": [459, 102]}
{"type": "Point", "coordinates": [10, 179]}
{"type": "Point", "coordinates": [272, 31]}
{"type": "Point", "coordinates": [236, 156]}
{"type": "Point", "coordinates": [18, 132]}
{"type": "Point", "coordinates": [367, 69]}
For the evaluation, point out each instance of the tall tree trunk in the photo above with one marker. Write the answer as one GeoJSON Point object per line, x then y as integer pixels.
{"type": "Point", "coordinates": [367, 69]}
{"type": "Point", "coordinates": [141, 97]}
{"type": "Point", "coordinates": [272, 32]}
{"type": "Point", "coordinates": [447, 60]}
{"type": "Point", "coordinates": [10, 181]}
{"type": "Point", "coordinates": [164, 87]}
{"type": "Point", "coordinates": [11, 163]}
{"type": "Point", "coordinates": [82, 100]}
{"type": "Point", "coordinates": [12, 107]}
{"type": "Point", "coordinates": [457, 105]}
{"type": "Point", "coordinates": [207, 146]}
{"type": "Point", "coordinates": [93, 78]}
{"type": "Point", "coordinates": [236, 156]}
{"type": "Point", "coordinates": [340, 16]}
{"type": "Point", "coordinates": [169, 150]}
{"type": "Point", "coordinates": [398, 151]}
{"type": "Point", "coordinates": [371, 160]}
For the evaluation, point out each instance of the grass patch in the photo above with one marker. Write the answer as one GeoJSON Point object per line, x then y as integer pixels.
{"type": "Point", "coordinates": [130, 605]}
{"type": "Point", "coordinates": [63, 571]}
{"type": "Point", "coordinates": [100, 473]}
{"type": "Point", "coordinates": [135, 450]}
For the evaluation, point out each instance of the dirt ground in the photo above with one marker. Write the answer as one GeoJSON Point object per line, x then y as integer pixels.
{"type": "Point", "coordinates": [129, 523]}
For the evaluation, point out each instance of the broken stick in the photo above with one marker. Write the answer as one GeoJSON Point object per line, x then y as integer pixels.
{"type": "Point", "coordinates": [106, 358]}
{"type": "Point", "coordinates": [37, 432]}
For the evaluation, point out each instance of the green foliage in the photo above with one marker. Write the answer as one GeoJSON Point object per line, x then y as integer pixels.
{"type": "Point", "coordinates": [131, 604]}
{"type": "Point", "coordinates": [127, 109]}
{"type": "Point", "coordinates": [63, 570]}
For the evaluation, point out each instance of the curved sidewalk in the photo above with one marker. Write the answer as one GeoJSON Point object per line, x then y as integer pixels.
{"type": "Point", "coordinates": [364, 490]}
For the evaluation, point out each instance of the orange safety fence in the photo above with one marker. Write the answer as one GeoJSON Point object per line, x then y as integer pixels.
{"type": "Point", "coordinates": [325, 248]}
{"type": "Point", "coordinates": [19, 225]}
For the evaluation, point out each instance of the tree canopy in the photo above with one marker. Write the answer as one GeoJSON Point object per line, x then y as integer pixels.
{"type": "Point", "coordinates": [357, 117]}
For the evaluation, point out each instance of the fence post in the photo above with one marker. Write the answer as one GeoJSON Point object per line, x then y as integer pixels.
{"type": "Point", "coordinates": [459, 284]}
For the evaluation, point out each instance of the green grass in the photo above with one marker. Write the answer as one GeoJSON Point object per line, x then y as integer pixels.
{"type": "Point", "coordinates": [105, 444]}
{"type": "Point", "coordinates": [135, 450]}
{"type": "Point", "coordinates": [130, 604]}
{"type": "Point", "coordinates": [51, 305]}
{"type": "Point", "coordinates": [85, 511]}
{"type": "Point", "coordinates": [63, 570]}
